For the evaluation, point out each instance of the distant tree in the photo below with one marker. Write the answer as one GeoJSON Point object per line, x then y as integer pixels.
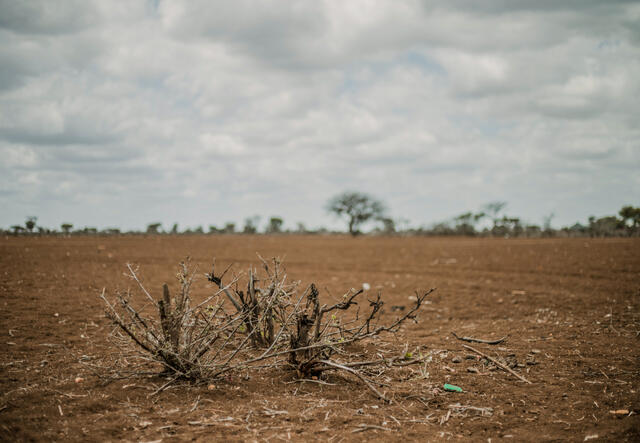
{"type": "Point", "coordinates": [251, 224]}
{"type": "Point", "coordinates": [388, 225]}
{"type": "Point", "coordinates": [229, 228]}
{"type": "Point", "coordinates": [532, 230]}
{"type": "Point", "coordinates": [17, 229]}
{"type": "Point", "coordinates": [478, 216]}
{"type": "Point", "coordinates": [213, 229]}
{"type": "Point", "coordinates": [513, 225]}
{"type": "Point", "coordinates": [630, 218]}
{"type": "Point", "coordinates": [442, 228]}
{"type": "Point", "coordinates": [66, 228]}
{"type": "Point", "coordinates": [604, 226]}
{"type": "Point", "coordinates": [301, 228]}
{"type": "Point", "coordinates": [199, 230]}
{"type": "Point", "coordinates": [30, 223]}
{"type": "Point", "coordinates": [576, 230]}
{"type": "Point", "coordinates": [465, 224]}
{"type": "Point", "coordinates": [152, 228]}
{"type": "Point", "coordinates": [174, 228]}
{"type": "Point", "coordinates": [357, 208]}
{"type": "Point", "coordinates": [275, 225]}
{"type": "Point", "coordinates": [547, 230]}
{"type": "Point", "coordinates": [493, 209]}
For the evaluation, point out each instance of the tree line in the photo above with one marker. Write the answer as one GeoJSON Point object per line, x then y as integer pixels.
{"type": "Point", "coordinates": [358, 210]}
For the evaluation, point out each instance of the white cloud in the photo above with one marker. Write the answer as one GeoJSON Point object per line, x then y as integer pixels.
{"type": "Point", "coordinates": [121, 113]}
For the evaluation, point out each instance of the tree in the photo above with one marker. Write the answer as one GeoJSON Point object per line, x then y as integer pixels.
{"type": "Point", "coordinates": [546, 225]}
{"type": "Point", "coordinates": [493, 209]}
{"type": "Point", "coordinates": [632, 215]}
{"type": "Point", "coordinates": [66, 228]}
{"type": "Point", "coordinates": [604, 226]}
{"type": "Point", "coordinates": [275, 225]}
{"type": "Point", "coordinates": [229, 228]}
{"type": "Point", "coordinates": [17, 229]}
{"type": "Point", "coordinates": [152, 228]}
{"type": "Point", "coordinates": [357, 208]}
{"type": "Point", "coordinates": [30, 223]}
{"type": "Point", "coordinates": [388, 225]}
{"type": "Point", "coordinates": [251, 224]}
{"type": "Point", "coordinates": [465, 224]}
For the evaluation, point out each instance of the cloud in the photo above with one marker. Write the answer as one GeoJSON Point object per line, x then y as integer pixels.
{"type": "Point", "coordinates": [123, 113]}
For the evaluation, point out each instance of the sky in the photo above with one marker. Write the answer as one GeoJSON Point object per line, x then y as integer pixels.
{"type": "Point", "coordinates": [124, 113]}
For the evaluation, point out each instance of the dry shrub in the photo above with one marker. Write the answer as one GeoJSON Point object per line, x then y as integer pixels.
{"type": "Point", "coordinates": [268, 323]}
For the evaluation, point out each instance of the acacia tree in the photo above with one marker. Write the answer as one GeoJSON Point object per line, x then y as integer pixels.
{"type": "Point", "coordinates": [275, 225]}
{"type": "Point", "coordinates": [31, 223]}
{"type": "Point", "coordinates": [357, 208]}
{"type": "Point", "coordinates": [153, 228]}
{"type": "Point", "coordinates": [66, 228]}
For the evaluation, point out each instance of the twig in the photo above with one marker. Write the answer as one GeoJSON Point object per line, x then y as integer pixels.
{"type": "Point", "coordinates": [445, 418]}
{"type": "Point", "coordinates": [479, 340]}
{"type": "Point", "coordinates": [364, 427]}
{"type": "Point", "coordinates": [463, 408]}
{"type": "Point", "coordinates": [134, 276]}
{"type": "Point", "coordinates": [497, 363]}
{"type": "Point", "coordinates": [195, 404]}
{"type": "Point", "coordinates": [310, 380]}
{"type": "Point", "coordinates": [163, 387]}
{"type": "Point", "coordinates": [357, 374]}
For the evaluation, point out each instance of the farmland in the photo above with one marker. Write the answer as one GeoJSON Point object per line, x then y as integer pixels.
{"type": "Point", "coordinates": [570, 309]}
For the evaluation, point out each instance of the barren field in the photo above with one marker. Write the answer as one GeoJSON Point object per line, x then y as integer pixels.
{"type": "Point", "coordinates": [569, 307]}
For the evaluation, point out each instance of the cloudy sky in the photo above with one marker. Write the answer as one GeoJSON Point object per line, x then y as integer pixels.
{"type": "Point", "coordinates": [121, 113]}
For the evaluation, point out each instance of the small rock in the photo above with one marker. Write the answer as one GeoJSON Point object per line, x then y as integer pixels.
{"type": "Point", "coordinates": [79, 380]}
{"type": "Point", "coordinates": [211, 387]}
{"type": "Point", "coordinates": [456, 359]}
{"type": "Point", "coordinates": [473, 370]}
{"type": "Point", "coordinates": [470, 357]}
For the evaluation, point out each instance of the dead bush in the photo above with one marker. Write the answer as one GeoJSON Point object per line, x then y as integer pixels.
{"type": "Point", "coordinates": [270, 323]}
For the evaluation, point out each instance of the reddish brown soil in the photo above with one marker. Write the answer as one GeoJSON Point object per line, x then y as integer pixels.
{"type": "Point", "coordinates": [569, 306]}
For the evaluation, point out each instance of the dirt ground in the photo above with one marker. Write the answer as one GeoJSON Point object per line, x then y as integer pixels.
{"type": "Point", "coordinates": [570, 309]}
